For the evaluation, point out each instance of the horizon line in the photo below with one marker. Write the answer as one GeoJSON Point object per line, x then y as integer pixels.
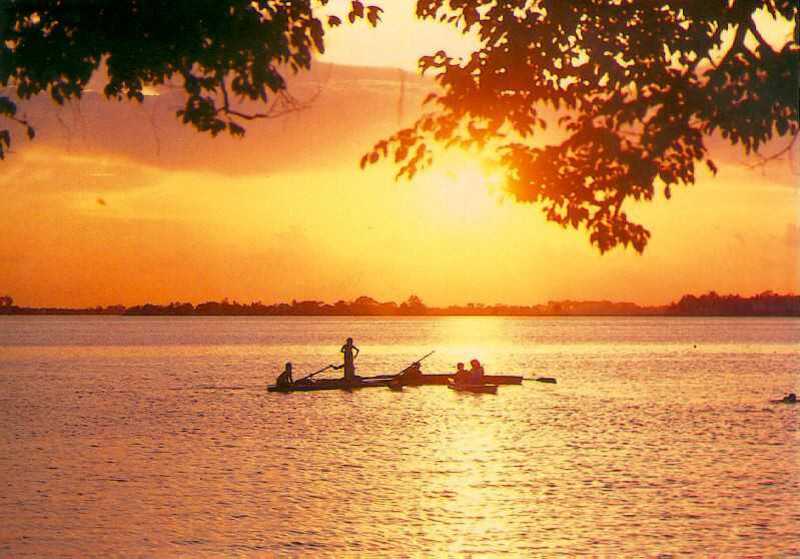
{"type": "Point", "coordinates": [363, 304]}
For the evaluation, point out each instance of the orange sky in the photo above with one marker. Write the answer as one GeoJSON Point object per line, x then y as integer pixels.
{"type": "Point", "coordinates": [119, 203]}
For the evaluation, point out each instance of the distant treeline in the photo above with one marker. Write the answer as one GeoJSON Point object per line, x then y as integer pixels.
{"type": "Point", "coordinates": [710, 304]}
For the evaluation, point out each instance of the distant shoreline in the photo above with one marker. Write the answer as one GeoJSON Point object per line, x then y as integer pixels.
{"type": "Point", "coordinates": [767, 304]}
{"type": "Point", "coordinates": [642, 315]}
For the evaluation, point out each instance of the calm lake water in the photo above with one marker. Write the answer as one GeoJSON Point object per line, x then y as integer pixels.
{"type": "Point", "coordinates": [155, 437]}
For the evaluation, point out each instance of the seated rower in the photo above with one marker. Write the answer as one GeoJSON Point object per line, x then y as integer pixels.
{"type": "Point", "coordinates": [285, 378]}
{"type": "Point", "coordinates": [475, 372]}
{"type": "Point", "coordinates": [462, 375]}
{"type": "Point", "coordinates": [411, 373]}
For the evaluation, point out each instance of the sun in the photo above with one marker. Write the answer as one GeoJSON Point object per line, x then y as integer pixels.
{"type": "Point", "coordinates": [465, 193]}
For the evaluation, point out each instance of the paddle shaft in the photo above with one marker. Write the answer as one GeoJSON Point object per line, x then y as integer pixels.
{"type": "Point", "coordinates": [417, 361]}
{"type": "Point", "coordinates": [329, 366]}
{"type": "Point", "coordinates": [314, 373]}
{"type": "Point", "coordinates": [549, 380]}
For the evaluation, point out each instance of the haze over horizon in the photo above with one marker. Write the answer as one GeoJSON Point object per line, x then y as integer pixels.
{"type": "Point", "coordinates": [398, 302]}
{"type": "Point", "coordinates": [118, 203]}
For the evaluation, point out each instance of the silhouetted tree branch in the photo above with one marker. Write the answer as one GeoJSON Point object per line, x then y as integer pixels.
{"type": "Point", "coordinates": [764, 159]}
{"type": "Point", "coordinates": [218, 50]}
{"type": "Point", "coordinates": [640, 87]}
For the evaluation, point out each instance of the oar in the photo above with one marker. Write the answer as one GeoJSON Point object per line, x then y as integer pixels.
{"type": "Point", "coordinates": [548, 380]}
{"type": "Point", "coordinates": [393, 385]}
{"type": "Point", "coordinates": [420, 360]}
{"type": "Point", "coordinates": [313, 374]}
{"type": "Point", "coordinates": [384, 377]}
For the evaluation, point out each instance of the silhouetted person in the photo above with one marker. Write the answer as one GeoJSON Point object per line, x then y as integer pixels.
{"type": "Point", "coordinates": [475, 372]}
{"type": "Point", "coordinates": [411, 373]}
{"type": "Point", "coordinates": [349, 365]}
{"type": "Point", "coordinates": [790, 398]}
{"type": "Point", "coordinates": [462, 375]}
{"type": "Point", "coordinates": [285, 378]}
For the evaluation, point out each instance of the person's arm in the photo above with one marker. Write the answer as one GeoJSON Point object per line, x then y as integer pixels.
{"type": "Point", "coordinates": [357, 352]}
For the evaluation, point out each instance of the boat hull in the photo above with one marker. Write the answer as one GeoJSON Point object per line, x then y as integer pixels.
{"type": "Point", "coordinates": [329, 384]}
{"type": "Point", "coordinates": [439, 379]}
{"type": "Point", "coordinates": [445, 378]}
{"type": "Point", "coordinates": [474, 388]}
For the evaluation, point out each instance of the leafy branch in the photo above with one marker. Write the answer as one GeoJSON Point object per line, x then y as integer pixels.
{"type": "Point", "coordinates": [636, 98]}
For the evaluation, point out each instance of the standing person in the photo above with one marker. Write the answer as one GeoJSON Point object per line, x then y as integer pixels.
{"type": "Point", "coordinates": [476, 372]}
{"type": "Point", "coordinates": [349, 365]}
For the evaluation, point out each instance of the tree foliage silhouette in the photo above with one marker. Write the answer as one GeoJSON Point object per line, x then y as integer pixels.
{"type": "Point", "coordinates": [219, 51]}
{"type": "Point", "coordinates": [640, 85]}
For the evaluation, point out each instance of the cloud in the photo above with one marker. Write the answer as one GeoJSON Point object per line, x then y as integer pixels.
{"type": "Point", "coordinates": [348, 109]}
{"type": "Point", "coordinates": [44, 170]}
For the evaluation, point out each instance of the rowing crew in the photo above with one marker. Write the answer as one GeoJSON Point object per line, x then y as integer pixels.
{"type": "Point", "coordinates": [413, 374]}
{"type": "Point", "coordinates": [462, 376]}
{"type": "Point", "coordinates": [350, 352]}
{"type": "Point", "coordinates": [473, 376]}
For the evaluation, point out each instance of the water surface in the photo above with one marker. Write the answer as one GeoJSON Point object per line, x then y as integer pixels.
{"type": "Point", "coordinates": [155, 437]}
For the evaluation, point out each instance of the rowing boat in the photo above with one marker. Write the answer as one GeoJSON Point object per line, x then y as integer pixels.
{"type": "Point", "coordinates": [438, 379]}
{"type": "Point", "coordinates": [474, 388]}
{"type": "Point", "coordinates": [446, 378]}
{"type": "Point", "coordinates": [329, 384]}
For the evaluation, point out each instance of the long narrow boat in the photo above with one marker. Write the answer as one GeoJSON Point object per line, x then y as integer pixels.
{"type": "Point", "coordinates": [784, 400]}
{"type": "Point", "coordinates": [438, 379]}
{"type": "Point", "coordinates": [474, 388]}
{"type": "Point", "coordinates": [330, 384]}
{"type": "Point", "coordinates": [445, 378]}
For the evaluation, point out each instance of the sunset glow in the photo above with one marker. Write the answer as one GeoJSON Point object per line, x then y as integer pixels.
{"type": "Point", "coordinates": [399, 278]}
{"type": "Point", "coordinates": [160, 213]}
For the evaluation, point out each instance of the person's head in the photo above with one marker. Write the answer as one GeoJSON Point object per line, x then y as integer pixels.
{"type": "Point", "coordinates": [349, 341]}
{"type": "Point", "coordinates": [288, 366]}
{"type": "Point", "coordinates": [460, 366]}
{"type": "Point", "coordinates": [475, 363]}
